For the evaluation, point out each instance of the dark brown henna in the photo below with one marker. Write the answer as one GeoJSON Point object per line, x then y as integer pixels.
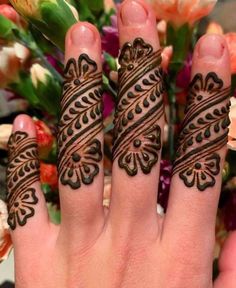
{"type": "Point", "coordinates": [22, 173]}
{"type": "Point", "coordinates": [137, 137]}
{"type": "Point", "coordinates": [81, 120]}
{"type": "Point", "coordinates": [204, 132]}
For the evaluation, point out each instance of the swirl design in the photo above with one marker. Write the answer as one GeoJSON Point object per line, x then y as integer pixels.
{"type": "Point", "coordinates": [137, 137]}
{"type": "Point", "coordinates": [22, 172]}
{"type": "Point", "coordinates": [81, 120]}
{"type": "Point", "coordinates": [204, 132]}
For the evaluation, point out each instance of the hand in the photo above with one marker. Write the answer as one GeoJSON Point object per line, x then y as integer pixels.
{"type": "Point", "coordinates": [128, 245]}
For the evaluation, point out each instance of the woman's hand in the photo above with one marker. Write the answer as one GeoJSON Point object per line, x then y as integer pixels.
{"type": "Point", "coordinates": [128, 245]}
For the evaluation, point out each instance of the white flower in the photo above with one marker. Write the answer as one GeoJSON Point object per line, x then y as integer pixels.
{"type": "Point", "coordinates": [12, 59]}
{"type": "Point", "coordinates": [39, 74]}
{"type": "Point", "coordinates": [5, 133]}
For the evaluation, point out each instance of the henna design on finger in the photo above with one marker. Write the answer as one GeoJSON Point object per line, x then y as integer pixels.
{"type": "Point", "coordinates": [204, 132]}
{"type": "Point", "coordinates": [81, 121]}
{"type": "Point", "coordinates": [22, 173]}
{"type": "Point", "coordinates": [137, 136]}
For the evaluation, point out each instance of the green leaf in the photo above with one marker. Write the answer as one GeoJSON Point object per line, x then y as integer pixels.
{"type": "Point", "coordinates": [180, 38]}
{"type": "Point", "coordinates": [54, 214]}
{"type": "Point", "coordinates": [49, 94]}
{"type": "Point", "coordinates": [6, 28]}
{"type": "Point", "coordinates": [111, 61]}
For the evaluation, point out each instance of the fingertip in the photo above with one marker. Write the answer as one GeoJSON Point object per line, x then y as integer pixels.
{"type": "Point", "coordinates": [24, 123]}
{"type": "Point", "coordinates": [82, 37]}
{"type": "Point", "coordinates": [137, 19]}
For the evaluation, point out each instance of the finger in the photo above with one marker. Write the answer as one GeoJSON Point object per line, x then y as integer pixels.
{"type": "Point", "coordinates": [80, 136]}
{"type": "Point", "coordinates": [196, 181]}
{"type": "Point", "coordinates": [26, 203]}
{"type": "Point", "coordinates": [139, 115]}
{"type": "Point", "coordinates": [227, 266]}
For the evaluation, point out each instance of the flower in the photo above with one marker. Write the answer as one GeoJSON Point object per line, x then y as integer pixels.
{"type": "Point", "coordinates": [49, 16]}
{"type": "Point", "coordinates": [5, 133]}
{"type": "Point", "coordinates": [232, 127]}
{"type": "Point", "coordinates": [110, 38]}
{"type": "Point", "coordinates": [48, 175]}
{"type": "Point", "coordinates": [180, 12]}
{"type": "Point", "coordinates": [12, 60]}
{"type": "Point", "coordinates": [231, 41]}
{"type": "Point", "coordinates": [214, 28]}
{"type": "Point", "coordinates": [45, 139]}
{"type": "Point", "coordinates": [5, 238]}
{"type": "Point", "coordinates": [39, 74]}
{"type": "Point", "coordinates": [108, 5]}
{"type": "Point", "coordinates": [10, 13]}
{"type": "Point", "coordinates": [166, 55]}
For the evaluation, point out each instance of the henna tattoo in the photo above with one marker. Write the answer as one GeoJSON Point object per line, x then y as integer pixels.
{"type": "Point", "coordinates": [137, 137]}
{"type": "Point", "coordinates": [22, 172]}
{"type": "Point", "coordinates": [81, 120]}
{"type": "Point", "coordinates": [204, 132]}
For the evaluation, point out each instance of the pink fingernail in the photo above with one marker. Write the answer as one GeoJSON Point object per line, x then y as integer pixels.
{"type": "Point", "coordinates": [82, 36]}
{"type": "Point", "coordinates": [211, 46]}
{"type": "Point", "coordinates": [133, 13]}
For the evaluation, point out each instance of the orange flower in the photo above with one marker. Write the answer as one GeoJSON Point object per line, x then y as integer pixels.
{"type": "Point", "coordinates": [45, 139]}
{"type": "Point", "coordinates": [48, 175]}
{"type": "Point", "coordinates": [5, 238]}
{"type": "Point", "coordinates": [180, 12]}
{"type": "Point", "coordinates": [231, 41]}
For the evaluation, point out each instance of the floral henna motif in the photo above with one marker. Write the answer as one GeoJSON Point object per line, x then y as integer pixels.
{"type": "Point", "coordinates": [22, 173]}
{"type": "Point", "coordinates": [81, 121]}
{"type": "Point", "coordinates": [137, 137]}
{"type": "Point", "coordinates": [204, 132]}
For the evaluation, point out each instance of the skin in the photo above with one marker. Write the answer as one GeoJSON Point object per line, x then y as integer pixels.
{"type": "Point", "coordinates": [128, 245]}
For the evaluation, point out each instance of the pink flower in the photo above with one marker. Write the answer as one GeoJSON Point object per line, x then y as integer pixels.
{"type": "Point", "coordinates": [180, 12]}
{"type": "Point", "coordinates": [10, 13]}
{"type": "Point", "coordinates": [110, 38]}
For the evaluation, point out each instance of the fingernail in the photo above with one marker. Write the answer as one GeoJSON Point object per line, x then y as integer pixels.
{"type": "Point", "coordinates": [82, 35]}
{"type": "Point", "coordinates": [133, 13]}
{"type": "Point", "coordinates": [211, 46]}
{"type": "Point", "coordinates": [21, 123]}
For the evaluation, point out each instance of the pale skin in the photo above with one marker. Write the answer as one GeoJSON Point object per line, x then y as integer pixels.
{"type": "Point", "coordinates": [128, 245]}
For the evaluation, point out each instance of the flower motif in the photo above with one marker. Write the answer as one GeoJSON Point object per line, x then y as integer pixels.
{"type": "Point", "coordinates": [5, 238]}
{"type": "Point", "coordinates": [180, 12]}
{"type": "Point", "coordinates": [84, 166]}
{"type": "Point", "coordinates": [23, 208]}
{"type": "Point", "coordinates": [202, 172]}
{"type": "Point", "coordinates": [143, 153]}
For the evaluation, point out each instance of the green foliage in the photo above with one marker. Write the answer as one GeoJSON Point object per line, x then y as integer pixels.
{"type": "Point", "coordinates": [180, 39]}
{"type": "Point", "coordinates": [6, 28]}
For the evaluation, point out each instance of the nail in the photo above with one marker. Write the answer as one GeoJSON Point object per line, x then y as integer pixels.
{"type": "Point", "coordinates": [21, 123]}
{"type": "Point", "coordinates": [133, 13]}
{"type": "Point", "coordinates": [82, 35]}
{"type": "Point", "coordinates": [211, 46]}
